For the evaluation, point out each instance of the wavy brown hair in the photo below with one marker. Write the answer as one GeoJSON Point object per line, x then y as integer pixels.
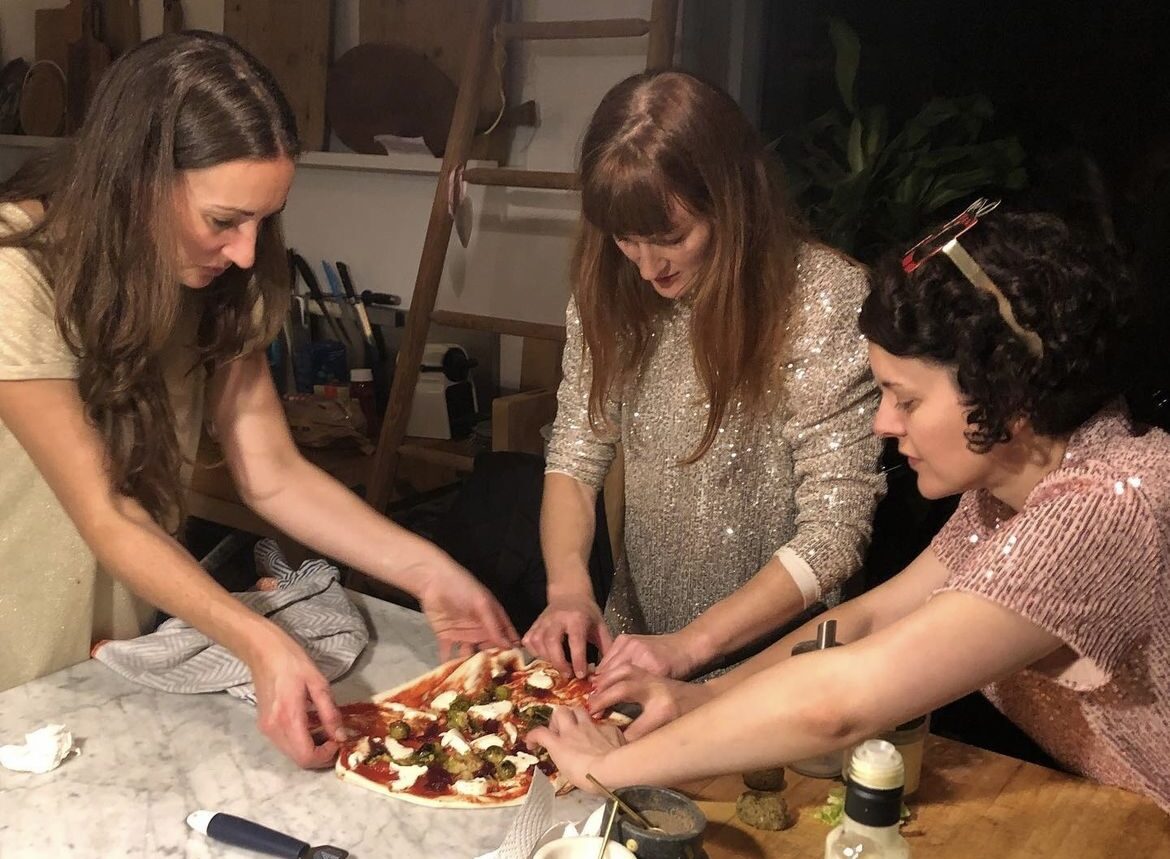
{"type": "Point", "coordinates": [659, 137]}
{"type": "Point", "coordinates": [108, 241]}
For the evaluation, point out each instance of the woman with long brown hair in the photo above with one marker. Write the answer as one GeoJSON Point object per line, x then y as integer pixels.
{"type": "Point", "coordinates": [718, 344]}
{"type": "Point", "coordinates": [142, 272]}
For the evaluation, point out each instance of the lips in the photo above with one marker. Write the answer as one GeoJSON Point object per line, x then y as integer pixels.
{"type": "Point", "coordinates": [664, 282]}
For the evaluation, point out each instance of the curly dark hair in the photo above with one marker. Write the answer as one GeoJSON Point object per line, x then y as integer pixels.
{"type": "Point", "coordinates": [1070, 288]}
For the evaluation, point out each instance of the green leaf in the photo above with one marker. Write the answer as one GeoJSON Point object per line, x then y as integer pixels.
{"type": "Point", "coordinates": [854, 152]}
{"type": "Point", "coordinates": [848, 48]}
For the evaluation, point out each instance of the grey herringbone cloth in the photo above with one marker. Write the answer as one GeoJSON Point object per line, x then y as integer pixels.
{"type": "Point", "coordinates": [310, 605]}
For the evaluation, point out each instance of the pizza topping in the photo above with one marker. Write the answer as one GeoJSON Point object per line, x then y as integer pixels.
{"type": "Point", "coordinates": [486, 742]}
{"type": "Point", "coordinates": [407, 776]}
{"type": "Point", "coordinates": [510, 732]}
{"type": "Point", "coordinates": [494, 754]}
{"type": "Point", "coordinates": [398, 751]}
{"type": "Point", "coordinates": [361, 751]}
{"type": "Point", "coordinates": [399, 730]}
{"type": "Point", "coordinates": [472, 787]}
{"type": "Point", "coordinates": [453, 739]}
{"type": "Point", "coordinates": [522, 761]}
{"type": "Point", "coordinates": [494, 710]}
{"type": "Point", "coordinates": [502, 692]}
{"type": "Point", "coordinates": [540, 680]}
{"type": "Point", "coordinates": [443, 700]}
{"type": "Point", "coordinates": [536, 714]}
{"type": "Point", "coordinates": [410, 712]}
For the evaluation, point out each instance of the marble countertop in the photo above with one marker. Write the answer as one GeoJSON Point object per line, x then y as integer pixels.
{"type": "Point", "coordinates": [149, 758]}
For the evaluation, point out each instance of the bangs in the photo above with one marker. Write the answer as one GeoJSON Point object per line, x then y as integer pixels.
{"type": "Point", "coordinates": [628, 199]}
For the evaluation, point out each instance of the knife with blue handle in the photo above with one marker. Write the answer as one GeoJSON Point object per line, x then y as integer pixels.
{"type": "Point", "coordinates": [252, 836]}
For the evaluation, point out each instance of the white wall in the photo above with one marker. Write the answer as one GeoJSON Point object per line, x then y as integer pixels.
{"type": "Point", "coordinates": [515, 265]}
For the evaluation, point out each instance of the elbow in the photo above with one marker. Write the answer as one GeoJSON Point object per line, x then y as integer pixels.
{"type": "Point", "coordinates": [259, 480]}
{"type": "Point", "coordinates": [835, 718]}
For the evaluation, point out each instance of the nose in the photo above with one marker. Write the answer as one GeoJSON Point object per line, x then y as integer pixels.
{"type": "Point", "coordinates": [241, 249]}
{"type": "Point", "coordinates": [649, 262]}
{"type": "Point", "coordinates": [887, 423]}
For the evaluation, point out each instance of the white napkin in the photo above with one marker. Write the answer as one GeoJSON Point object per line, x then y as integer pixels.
{"type": "Point", "coordinates": [534, 823]}
{"type": "Point", "coordinates": [42, 750]}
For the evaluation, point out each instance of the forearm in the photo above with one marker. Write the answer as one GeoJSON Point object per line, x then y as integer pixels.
{"type": "Point", "coordinates": [130, 546]}
{"type": "Point", "coordinates": [320, 512]}
{"type": "Point", "coordinates": [782, 714]}
{"type": "Point", "coordinates": [768, 600]}
{"type": "Point", "coordinates": [567, 527]}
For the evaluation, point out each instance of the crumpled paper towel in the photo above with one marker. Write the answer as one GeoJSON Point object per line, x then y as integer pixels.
{"type": "Point", "coordinates": [42, 750]}
{"type": "Point", "coordinates": [534, 821]}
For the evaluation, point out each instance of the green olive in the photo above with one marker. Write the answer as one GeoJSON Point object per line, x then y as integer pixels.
{"type": "Point", "coordinates": [494, 754]}
{"type": "Point", "coordinates": [538, 714]}
{"type": "Point", "coordinates": [461, 702]}
{"type": "Point", "coordinates": [399, 731]}
{"type": "Point", "coordinates": [506, 770]}
{"type": "Point", "coordinates": [503, 693]}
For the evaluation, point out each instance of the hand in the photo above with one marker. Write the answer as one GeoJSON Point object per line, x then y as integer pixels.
{"type": "Point", "coordinates": [287, 684]}
{"type": "Point", "coordinates": [462, 612]}
{"type": "Point", "coordinates": [577, 744]}
{"type": "Point", "coordinates": [662, 700]}
{"type": "Point", "coordinates": [670, 655]}
{"type": "Point", "coordinates": [574, 616]}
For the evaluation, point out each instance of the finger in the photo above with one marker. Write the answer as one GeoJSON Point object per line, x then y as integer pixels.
{"type": "Point", "coordinates": [562, 719]}
{"type": "Point", "coordinates": [554, 650]}
{"type": "Point", "coordinates": [604, 638]}
{"type": "Point", "coordinates": [327, 711]}
{"type": "Point", "coordinates": [577, 642]}
{"type": "Point", "coordinates": [618, 655]}
{"type": "Point", "coordinates": [650, 720]}
{"type": "Point", "coordinates": [546, 738]}
{"type": "Point", "coordinates": [617, 693]}
{"type": "Point", "coordinates": [445, 649]}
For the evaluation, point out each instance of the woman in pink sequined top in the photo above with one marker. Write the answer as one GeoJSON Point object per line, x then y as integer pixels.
{"type": "Point", "coordinates": [997, 345]}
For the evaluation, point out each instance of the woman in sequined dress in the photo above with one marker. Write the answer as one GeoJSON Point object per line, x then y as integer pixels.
{"type": "Point", "coordinates": [719, 346]}
{"type": "Point", "coordinates": [999, 349]}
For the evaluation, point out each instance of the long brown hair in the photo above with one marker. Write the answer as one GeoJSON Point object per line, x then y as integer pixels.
{"type": "Point", "coordinates": [108, 241]}
{"type": "Point", "coordinates": [663, 136]}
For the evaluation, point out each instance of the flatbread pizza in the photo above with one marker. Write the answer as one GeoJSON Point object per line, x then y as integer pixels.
{"type": "Point", "coordinates": [455, 737]}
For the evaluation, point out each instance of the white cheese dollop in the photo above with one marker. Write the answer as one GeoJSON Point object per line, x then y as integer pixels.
{"type": "Point", "coordinates": [410, 712]}
{"type": "Point", "coordinates": [522, 761]}
{"type": "Point", "coordinates": [486, 742]}
{"type": "Point", "coordinates": [454, 740]}
{"type": "Point", "coordinates": [444, 699]}
{"type": "Point", "coordinates": [511, 732]}
{"type": "Point", "coordinates": [407, 776]}
{"type": "Point", "coordinates": [397, 751]}
{"type": "Point", "coordinates": [494, 710]}
{"type": "Point", "coordinates": [360, 752]}
{"type": "Point", "coordinates": [472, 787]}
{"type": "Point", "coordinates": [540, 680]}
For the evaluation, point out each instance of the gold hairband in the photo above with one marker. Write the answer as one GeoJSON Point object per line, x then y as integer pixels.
{"type": "Point", "coordinates": [946, 240]}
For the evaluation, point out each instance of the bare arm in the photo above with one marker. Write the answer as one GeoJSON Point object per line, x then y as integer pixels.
{"type": "Point", "coordinates": [318, 511]}
{"type": "Point", "coordinates": [823, 701]}
{"type": "Point", "coordinates": [47, 417]}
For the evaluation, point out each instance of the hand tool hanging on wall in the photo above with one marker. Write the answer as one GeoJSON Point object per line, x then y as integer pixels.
{"type": "Point", "coordinates": [301, 267]}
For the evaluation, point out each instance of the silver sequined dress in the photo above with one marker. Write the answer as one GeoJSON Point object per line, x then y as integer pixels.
{"type": "Point", "coordinates": [806, 479]}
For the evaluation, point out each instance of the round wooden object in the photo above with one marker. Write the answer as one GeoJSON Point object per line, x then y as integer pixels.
{"type": "Point", "coordinates": [44, 100]}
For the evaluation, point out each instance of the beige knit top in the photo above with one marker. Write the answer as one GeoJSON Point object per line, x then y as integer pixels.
{"type": "Point", "coordinates": [1088, 559]}
{"type": "Point", "coordinates": [803, 481]}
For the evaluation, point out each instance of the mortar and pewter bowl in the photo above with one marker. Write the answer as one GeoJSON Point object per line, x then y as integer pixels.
{"type": "Point", "coordinates": [678, 823]}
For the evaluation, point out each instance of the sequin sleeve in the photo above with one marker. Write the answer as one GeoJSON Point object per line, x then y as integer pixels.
{"type": "Point", "coordinates": [576, 449]}
{"type": "Point", "coordinates": [829, 423]}
{"type": "Point", "coordinates": [1080, 560]}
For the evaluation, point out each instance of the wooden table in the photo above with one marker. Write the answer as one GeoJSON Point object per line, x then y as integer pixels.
{"type": "Point", "coordinates": [974, 803]}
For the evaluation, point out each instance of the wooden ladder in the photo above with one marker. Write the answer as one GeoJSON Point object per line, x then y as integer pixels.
{"type": "Point", "coordinates": [660, 52]}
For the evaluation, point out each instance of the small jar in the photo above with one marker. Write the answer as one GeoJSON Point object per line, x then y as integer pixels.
{"type": "Point", "coordinates": [827, 765]}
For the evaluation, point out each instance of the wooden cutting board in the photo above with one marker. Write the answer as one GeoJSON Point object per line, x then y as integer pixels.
{"type": "Point", "coordinates": [44, 100]}
{"type": "Point", "coordinates": [88, 59]}
{"type": "Point", "coordinates": [55, 29]}
{"type": "Point", "coordinates": [439, 30]}
{"type": "Point", "coordinates": [291, 37]}
{"type": "Point", "coordinates": [123, 27]}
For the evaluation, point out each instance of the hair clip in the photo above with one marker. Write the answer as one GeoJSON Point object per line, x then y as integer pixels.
{"type": "Point", "coordinates": [946, 240]}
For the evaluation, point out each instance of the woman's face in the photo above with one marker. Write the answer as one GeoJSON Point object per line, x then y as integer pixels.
{"type": "Point", "coordinates": [669, 263]}
{"type": "Point", "coordinates": [922, 408]}
{"type": "Point", "coordinates": [219, 210]}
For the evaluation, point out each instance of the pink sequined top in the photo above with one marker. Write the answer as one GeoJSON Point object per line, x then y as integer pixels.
{"type": "Point", "coordinates": [1088, 559]}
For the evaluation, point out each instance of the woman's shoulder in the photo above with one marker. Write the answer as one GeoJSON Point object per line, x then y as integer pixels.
{"type": "Point", "coordinates": [820, 267]}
